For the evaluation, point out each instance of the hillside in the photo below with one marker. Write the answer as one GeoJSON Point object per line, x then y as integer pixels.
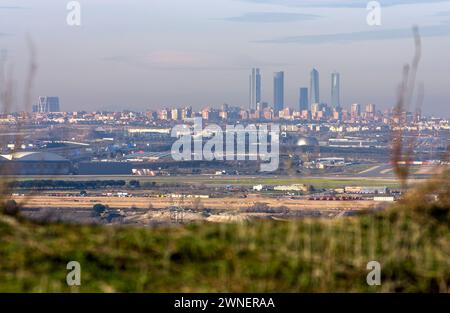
{"type": "Point", "coordinates": [411, 242]}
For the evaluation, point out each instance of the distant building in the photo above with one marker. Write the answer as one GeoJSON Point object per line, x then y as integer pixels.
{"type": "Point", "coordinates": [47, 105]}
{"type": "Point", "coordinates": [336, 115]}
{"type": "Point", "coordinates": [315, 108]}
{"type": "Point", "coordinates": [268, 114]}
{"type": "Point", "coordinates": [356, 110]}
{"type": "Point", "coordinates": [314, 87]}
{"type": "Point", "coordinates": [384, 199]}
{"type": "Point", "coordinates": [306, 114]}
{"type": "Point", "coordinates": [286, 113]}
{"type": "Point", "coordinates": [366, 190]}
{"type": "Point", "coordinates": [152, 115]}
{"type": "Point", "coordinates": [303, 100]}
{"type": "Point", "coordinates": [34, 163]}
{"type": "Point", "coordinates": [223, 115]}
{"type": "Point", "coordinates": [176, 114]}
{"type": "Point", "coordinates": [335, 90]}
{"type": "Point", "coordinates": [356, 143]}
{"type": "Point", "coordinates": [255, 88]}
{"type": "Point", "coordinates": [164, 114]}
{"type": "Point", "coordinates": [370, 108]}
{"type": "Point", "coordinates": [278, 91]}
{"type": "Point", "coordinates": [262, 106]}
{"type": "Point", "coordinates": [186, 113]}
{"type": "Point", "coordinates": [206, 113]}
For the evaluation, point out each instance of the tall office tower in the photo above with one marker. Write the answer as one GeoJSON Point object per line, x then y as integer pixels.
{"type": "Point", "coordinates": [47, 104]}
{"type": "Point", "coordinates": [303, 101]}
{"type": "Point", "coordinates": [278, 91]}
{"type": "Point", "coordinates": [335, 90]}
{"type": "Point", "coordinates": [314, 87]}
{"type": "Point", "coordinates": [355, 110]}
{"type": "Point", "coordinates": [255, 88]}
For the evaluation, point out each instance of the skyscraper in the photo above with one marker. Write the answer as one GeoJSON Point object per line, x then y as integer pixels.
{"type": "Point", "coordinates": [278, 91]}
{"type": "Point", "coordinates": [303, 101]}
{"type": "Point", "coordinates": [314, 88]}
{"type": "Point", "coordinates": [335, 90]}
{"type": "Point", "coordinates": [255, 88]}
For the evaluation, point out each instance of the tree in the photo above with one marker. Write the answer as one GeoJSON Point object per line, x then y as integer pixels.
{"type": "Point", "coordinates": [134, 183]}
{"type": "Point", "coordinates": [99, 209]}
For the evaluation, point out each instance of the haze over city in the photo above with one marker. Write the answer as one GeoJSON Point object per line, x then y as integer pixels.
{"type": "Point", "coordinates": [146, 55]}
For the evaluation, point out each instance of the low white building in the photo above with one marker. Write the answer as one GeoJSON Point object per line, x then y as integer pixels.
{"type": "Point", "coordinates": [384, 199]}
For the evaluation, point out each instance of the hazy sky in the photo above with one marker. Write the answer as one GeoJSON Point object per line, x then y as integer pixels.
{"type": "Point", "coordinates": [148, 54]}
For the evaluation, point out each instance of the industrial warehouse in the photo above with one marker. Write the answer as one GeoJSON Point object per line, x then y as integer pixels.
{"type": "Point", "coordinates": [34, 163]}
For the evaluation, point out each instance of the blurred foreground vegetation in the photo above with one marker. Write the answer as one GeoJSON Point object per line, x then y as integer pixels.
{"type": "Point", "coordinates": [410, 240]}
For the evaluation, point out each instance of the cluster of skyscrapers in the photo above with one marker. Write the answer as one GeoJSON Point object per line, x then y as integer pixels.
{"type": "Point", "coordinates": [307, 97]}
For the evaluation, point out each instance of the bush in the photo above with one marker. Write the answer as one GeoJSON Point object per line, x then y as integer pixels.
{"type": "Point", "coordinates": [10, 208]}
{"type": "Point", "coordinates": [134, 184]}
{"type": "Point", "coordinates": [99, 209]}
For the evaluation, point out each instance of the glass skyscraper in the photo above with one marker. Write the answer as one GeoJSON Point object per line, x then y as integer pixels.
{"type": "Point", "coordinates": [335, 90]}
{"type": "Point", "coordinates": [314, 88]}
{"type": "Point", "coordinates": [255, 88]}
{"type": "Point", "coordinates": [278, 91]}
{"type": "Point", "coordinates": [303, 100]}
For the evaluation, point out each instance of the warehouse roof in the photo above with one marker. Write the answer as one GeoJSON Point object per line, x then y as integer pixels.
{"type": "Point", "coordinates": [32, 156]}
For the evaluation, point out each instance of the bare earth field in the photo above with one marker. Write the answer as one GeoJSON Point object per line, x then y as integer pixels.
{"type": "Point", "coordinates": [148, 211]}
{"type": "Point", "coordinates": [43, 201]}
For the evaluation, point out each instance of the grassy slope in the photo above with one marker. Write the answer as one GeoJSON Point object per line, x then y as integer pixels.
{"type": "Point", "coordinates": [413, 247]}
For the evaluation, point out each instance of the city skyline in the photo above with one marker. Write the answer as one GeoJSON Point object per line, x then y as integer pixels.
{"type": "Point", "coordinates": [202, 56]}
